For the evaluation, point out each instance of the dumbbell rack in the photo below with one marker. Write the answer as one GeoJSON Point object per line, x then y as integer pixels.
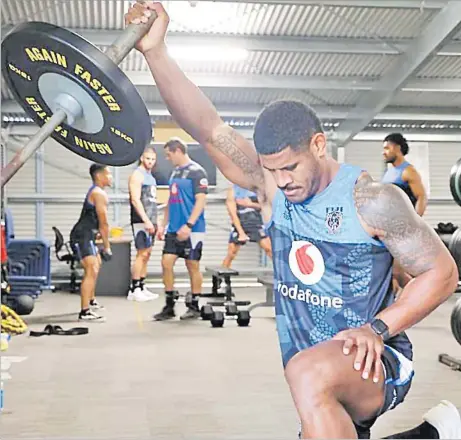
{"type": "Point", "coordinates": [224, 300]}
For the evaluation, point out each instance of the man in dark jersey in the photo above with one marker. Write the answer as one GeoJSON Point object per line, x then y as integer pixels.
{"type": "Point", "coordinates": [143, 215]}
{"type": "Point", "coordinates": [406, 177]}
{"type": "Point", "coordinates": [184, 221]}
{"type": "Point", "coordinates": [247, 223]}
{"type": "Point", "coordinates": [334, 234]}
{"type": "Point", "coordinates": [93, 221]}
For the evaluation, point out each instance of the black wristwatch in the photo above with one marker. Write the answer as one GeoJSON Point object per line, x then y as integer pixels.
{"type": "Point", "coordinates": [380, 328]}
{"type": "Point", "coordinates": [189, 225]}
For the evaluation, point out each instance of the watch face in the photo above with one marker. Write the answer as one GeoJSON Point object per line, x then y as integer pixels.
{"type": "Point", "coordinates": [379, 326]}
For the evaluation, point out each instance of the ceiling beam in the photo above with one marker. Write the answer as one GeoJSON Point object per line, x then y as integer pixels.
{"type": "Point", "coordinates": [292, 82]}
{"type": "Point", "coordinates": [439, 136]}
{"type": "Point", "coordinates": [369, 46]}
{"type": "Point", "coordinates": [442, 27]}
{"type": "Point", "coordinates": [242, 111]}
{"type": "Point", "coordinates": [401, 4]}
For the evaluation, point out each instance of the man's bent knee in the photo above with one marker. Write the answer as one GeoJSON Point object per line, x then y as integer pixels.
{"type": "Point", "coordinates": [323, 371]}
{"type": "Point", "coordinates": [311, 372]}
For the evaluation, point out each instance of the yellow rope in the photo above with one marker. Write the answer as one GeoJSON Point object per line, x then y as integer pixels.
{"type": "Point", "coordinates": [11, 322]}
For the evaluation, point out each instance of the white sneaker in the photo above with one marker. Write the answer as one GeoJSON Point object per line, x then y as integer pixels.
{"type": "Point", "coordinates": [446, 419]}
{"type": "Point", "coordinates": [149, 294]}
{"type": "Point", "coordinates": [138, 295]}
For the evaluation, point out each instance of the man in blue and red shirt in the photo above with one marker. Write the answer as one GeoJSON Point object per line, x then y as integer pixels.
{"type": "Point", "coordinates": [184, 221]}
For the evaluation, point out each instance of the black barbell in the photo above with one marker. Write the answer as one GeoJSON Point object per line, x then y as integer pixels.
{"type": "Point", "coordinates": [77, 94]}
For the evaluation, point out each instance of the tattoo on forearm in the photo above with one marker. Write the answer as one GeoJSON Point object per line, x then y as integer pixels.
{"type": "Point", "coordinates": [385, 209]}
{"type": "Point", "coordinates": [227, 144]}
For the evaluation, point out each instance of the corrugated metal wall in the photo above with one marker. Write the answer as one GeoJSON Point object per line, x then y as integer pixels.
{"type": "Point", "coordinates": [442, 156]}
{"type": "Point", "coordinates": [66, 181]}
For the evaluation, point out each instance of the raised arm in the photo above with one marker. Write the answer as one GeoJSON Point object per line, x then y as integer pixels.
{"type": "Point", "coordinates": [386, 213]}
{"type": "Point", "coordinates": [234, 155]}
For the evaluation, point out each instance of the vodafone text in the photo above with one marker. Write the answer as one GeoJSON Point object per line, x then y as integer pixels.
{"type": "Point", "coordinates": [294, 292]}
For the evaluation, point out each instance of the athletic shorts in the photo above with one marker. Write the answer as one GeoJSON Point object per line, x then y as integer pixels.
{"type": "Point", "coordinates": [255, 232]}
{"type": "Point", "coordinates": [142, 239]}
{"type": "Point", "coordinates": [84, 247]}
{"type": "Point", "coordinates": [398, 373]}
{"type": "Point", "coordinates": [190, 249]}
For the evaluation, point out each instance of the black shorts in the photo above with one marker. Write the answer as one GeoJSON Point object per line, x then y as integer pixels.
{"type": "Point", "coordinates": [142, 239]}
{"type": "Point", "coordinates": [84, 246]}
{"type": "Point", "coordinates": [190, 249]}
{"type": "Point", "coordinates": [254, 231]}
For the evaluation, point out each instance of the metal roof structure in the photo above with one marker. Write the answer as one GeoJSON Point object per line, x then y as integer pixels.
{"type": "Point", "coordinates": [361, 64]}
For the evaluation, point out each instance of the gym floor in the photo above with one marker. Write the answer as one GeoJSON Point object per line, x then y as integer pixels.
{"type": "Point", "coordinates": [134, 378]}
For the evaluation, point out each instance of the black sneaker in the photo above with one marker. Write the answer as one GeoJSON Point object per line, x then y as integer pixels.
{"type": "Point", "coordinates": [191, 313]}
{"type": "Point", "coordinates": [166, 313]}
{"type": "Point", "coordinates": [90, 315]}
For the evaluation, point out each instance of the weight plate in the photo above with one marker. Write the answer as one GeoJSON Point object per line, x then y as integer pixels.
{"type": "Point", "coordinates": [455, 181]}
{"type": "Point", "coordinates": [455, 321]}
{"type": "Point", "coordinates": [114, 129]}
{"type": "Point", "coordinates": [455, 248]}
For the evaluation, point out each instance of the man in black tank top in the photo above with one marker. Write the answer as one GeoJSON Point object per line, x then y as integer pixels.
{"type": "Point", "coordinates": [93, 221]}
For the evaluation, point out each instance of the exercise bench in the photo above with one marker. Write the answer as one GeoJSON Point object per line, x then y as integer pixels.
{"type": "Point", "coordinates": [267, 280]}
{"type": "Point", "coordinates": [225, 299]}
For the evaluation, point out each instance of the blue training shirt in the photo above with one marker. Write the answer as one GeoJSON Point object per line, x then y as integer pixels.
{"type": "Point", "coordinates": [394, 176]}
{"type": "Point", "coordinates": [242, 193]}
{"type": "Point", "coordinates": [329, 274]}
{"type": "Point", "coordinates": [185, 182]}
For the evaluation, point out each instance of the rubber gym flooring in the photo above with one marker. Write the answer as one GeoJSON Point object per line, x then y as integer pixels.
{"type": "Point", "coordinates": [134, 378]}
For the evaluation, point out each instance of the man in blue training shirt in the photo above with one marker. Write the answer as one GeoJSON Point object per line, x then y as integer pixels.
{"type": "Point", "coordinates": [185, 218]}
{"type": "Point", "coordinates": [334, 233]}
{"type": "Point", "coordinates": [404, 175]}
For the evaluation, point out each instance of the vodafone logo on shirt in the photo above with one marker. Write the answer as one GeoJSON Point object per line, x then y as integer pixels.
{"type": "Point", "coordinates": [174, 189]}
{"type": "Point", "coordinates": [306, 262]}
